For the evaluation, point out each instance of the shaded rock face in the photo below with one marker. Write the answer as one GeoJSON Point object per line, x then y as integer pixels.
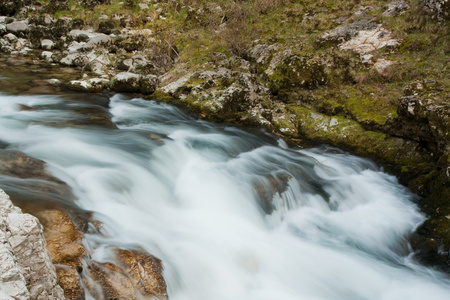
{"type": "Point", "coordinates": [10, 8]}
{"type": "Point", "coordinates": [26, 268]}
{"type": "Point", "coordinates": [423, 117]}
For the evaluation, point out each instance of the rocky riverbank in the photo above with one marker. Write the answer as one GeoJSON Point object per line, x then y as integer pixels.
{"type": "Point", "coordinates": [368, 76]}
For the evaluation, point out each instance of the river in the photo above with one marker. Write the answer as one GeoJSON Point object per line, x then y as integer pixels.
{"type": "Point", "coordinates": [232, 214]}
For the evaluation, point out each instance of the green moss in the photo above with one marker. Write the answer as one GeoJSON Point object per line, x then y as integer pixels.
{"type": "Point", "coordinates": [351, 135]}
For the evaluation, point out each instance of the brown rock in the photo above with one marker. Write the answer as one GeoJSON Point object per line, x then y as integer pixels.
{"type": "Point", "coordinates": [145, 270]}
{"type": "Point", "coordinates": [108, 281]}
{"type": "Point", "coordinates": [65, 249]}
{"type": "Point", "coordinates": [136, 275]}
{"type": "Point", "coordinates": [63, 237]}
{"type": "Point", "coordinates": [69, 280]}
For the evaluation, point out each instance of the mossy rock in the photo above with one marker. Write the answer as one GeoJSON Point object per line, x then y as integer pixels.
{"type": "Point", "coordinates": [295, 71]}
{"type": "Point", "coordinates": [404, 156]}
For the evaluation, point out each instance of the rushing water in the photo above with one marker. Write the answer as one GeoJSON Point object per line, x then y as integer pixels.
{"type": "Point", "coordinates": [231, 214]}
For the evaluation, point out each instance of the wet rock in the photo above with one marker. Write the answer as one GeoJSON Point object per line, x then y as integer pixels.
{"type": "Point", "coordinates": [145, 271]}
{"type": "Point", "coordinates": [64, 240]}
{"type": "Point", "coordinates": [69, 279]}
{"type": "Point", "coordinates": [126, 82]}
{"type": "Point", "coordinates": [136, 275]}
{"type": "Point", "coordinates": [148, 84]}
{"type": "Point", "coordinates": [27, 271]}
{"type": "Point", "coordinates": [64, 245]}
{"type": "Point", "coordinates": [108, 281]}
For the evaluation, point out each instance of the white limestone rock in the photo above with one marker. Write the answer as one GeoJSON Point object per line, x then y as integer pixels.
{"type": "Point", "coordinates": [47, 44]}
{"type": "Point", "coordinates": [126, 82]}
{"type": "Point", "coordinates": [26, 270]}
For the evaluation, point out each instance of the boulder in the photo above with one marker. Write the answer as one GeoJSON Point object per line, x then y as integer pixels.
{"type": "Point", "coordinates": [149, 83]}
{"type": "Point", "coordinates": [61, 27]}
{"type": "Point", "coordinates": [136, 275]}
{"type": "Point", "coordinates": [126, 82]}
{"type": "Point", "coordinates": [90, 86]}
{"type": "Point", "coordinates": [27, 271]}
{"type": "Point", "coordinates": [47, 44]}
{"type": "Point", "coordinates": [39, 33]}
{"type": "Point", "coordinates": [145, 271]}
{"type": "Point", "coordinates": [17, 27]}
{"type": "Point", "coordinates": [296, 71]}
{"type": "Point", "coordinates": [64, 245]}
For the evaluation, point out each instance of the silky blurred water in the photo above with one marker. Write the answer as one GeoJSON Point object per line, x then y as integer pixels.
{"type": "Point", "coordinates": [231, 214]}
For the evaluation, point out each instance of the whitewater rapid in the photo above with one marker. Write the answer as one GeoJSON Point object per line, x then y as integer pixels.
{"type": "Point", "coordinates": [231, 214]}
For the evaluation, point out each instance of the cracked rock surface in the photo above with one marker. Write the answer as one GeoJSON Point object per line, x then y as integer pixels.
{"type": "Point", "coordinates": [26, 270]}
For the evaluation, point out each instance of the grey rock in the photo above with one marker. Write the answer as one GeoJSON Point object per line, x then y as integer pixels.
{"type": "Point", "coordinates": [17, 27]}
{"type": "Point", "coordinates": [89, 86]}
{"type": "Point", "coordinates": [6, 49]}
{"type": "Point", "coordinates": [396, 8]}
{"type": "Point", "coordinates": [10, 38]}
{"type": "Point", "coordinates": [47, 44]}
{"type": "Point", "coordinates": [38, 33]}
{"type": "Point", "coordinates": [125, 64]}
{"type": "Point", "coordinates": [346, 32]}
{"type": "Point", "coordinates": [99, 39]}
{"type": "Point", "coordinates": [61, 27]}
{"type": "Point", "coordinates": [149, 83]}
{"type": "Point", "coordinates": [126, 82]}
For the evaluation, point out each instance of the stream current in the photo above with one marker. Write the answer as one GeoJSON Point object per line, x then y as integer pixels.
{"type": "Point", "coordinates": [232, 215]}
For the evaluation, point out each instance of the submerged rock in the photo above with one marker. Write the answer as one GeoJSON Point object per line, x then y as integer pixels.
{"type": "Point", "coordinates": [137, 275]}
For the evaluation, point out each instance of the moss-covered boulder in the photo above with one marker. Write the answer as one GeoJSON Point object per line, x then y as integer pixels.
{"type": "Point", "coordinates": [296, 71]}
